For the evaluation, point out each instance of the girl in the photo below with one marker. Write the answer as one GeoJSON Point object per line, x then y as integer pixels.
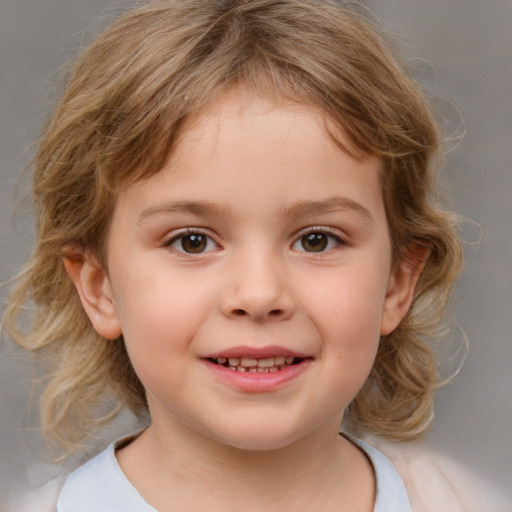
{"type": "Point", "coordinates": [238, 231]}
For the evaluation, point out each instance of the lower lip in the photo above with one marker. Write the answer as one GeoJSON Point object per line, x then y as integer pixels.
{"type": "Point", "coordinates": [258, 382]}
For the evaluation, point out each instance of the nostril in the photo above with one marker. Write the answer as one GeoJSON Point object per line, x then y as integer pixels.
{"type": "Point", "coordinates": [242, 312]}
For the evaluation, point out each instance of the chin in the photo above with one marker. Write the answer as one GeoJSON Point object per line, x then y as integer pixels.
{"type": "Point", "coordinates": [258, 444]}
{"type": "Point", "coordinates": [267, 437]}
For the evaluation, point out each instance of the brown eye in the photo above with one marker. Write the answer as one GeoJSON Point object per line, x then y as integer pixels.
{"type": "Point", "coordinates": [192, 243]}
{"type": "Point", "coordinates": [318, 241]}
{"type": "Point", "coordinates": [314, 242]}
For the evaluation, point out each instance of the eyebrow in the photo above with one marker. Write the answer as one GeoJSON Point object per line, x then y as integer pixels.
{"type": "Point", "coordinates": [300, 208]}
{"type": "Point", "coordinates": [331, 204]}
{"type": "Point", "coordinates": [181, 207]}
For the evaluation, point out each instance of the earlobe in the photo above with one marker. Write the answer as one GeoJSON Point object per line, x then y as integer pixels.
{"type": "Point", "coordinates": [401, 287]}
{"type": "Point", "coordinates": [95, 292]}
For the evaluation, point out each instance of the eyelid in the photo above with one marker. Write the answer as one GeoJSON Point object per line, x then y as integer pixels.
{"type": "Point", "coordinates": [176, 235]}
{"type": "Point", "coordinates": [340, 238]}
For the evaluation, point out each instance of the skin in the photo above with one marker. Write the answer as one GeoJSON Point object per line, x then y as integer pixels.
{"type": "Point", "coordinates": [254, 177]}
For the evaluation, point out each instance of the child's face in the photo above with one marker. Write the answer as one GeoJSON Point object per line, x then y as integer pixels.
{"type": "Point", "coordinates": [260, 239]}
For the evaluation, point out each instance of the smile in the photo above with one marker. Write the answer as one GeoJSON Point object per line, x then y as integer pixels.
{"type": "Point", "coordinates": [253, 365]}
{"type": "Point", "coordinates": [257, 370]}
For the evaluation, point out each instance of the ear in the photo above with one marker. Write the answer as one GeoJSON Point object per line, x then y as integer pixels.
{"type": "Point", "coordinates": [95, 291]}
{"type": "Point", "coordinates": [401, 285]}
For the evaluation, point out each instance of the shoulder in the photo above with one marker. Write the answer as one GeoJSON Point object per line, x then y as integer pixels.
{"type": "Point", "coordinates": [100, 486]}
{"type": "Point", "coordinates": [391, 493]}
{"type": "Point", "coordinates": [438, 483]}
{"type": "Point", "coordinates": [84, 487]}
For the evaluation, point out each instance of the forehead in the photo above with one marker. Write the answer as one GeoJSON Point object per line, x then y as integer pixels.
{"type": "Point", "coordinates": [252, 109]}
{"type": "Point", "coordinates": [250, 151]}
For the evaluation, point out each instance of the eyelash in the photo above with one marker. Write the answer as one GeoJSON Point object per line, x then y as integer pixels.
{"type": "Point", "coordinates": [187, 233]}
{"type": "Point", "coordinates": [331, 234]}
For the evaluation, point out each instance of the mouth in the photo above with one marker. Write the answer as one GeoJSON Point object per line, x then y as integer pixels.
{"type": "Point", "coordinates": [257, 365]}
{"type": "Point", "coordinates": [257, 370]}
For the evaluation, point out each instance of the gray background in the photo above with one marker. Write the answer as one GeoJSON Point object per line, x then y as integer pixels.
{"type": "Point", "coordinates": [461, 50]}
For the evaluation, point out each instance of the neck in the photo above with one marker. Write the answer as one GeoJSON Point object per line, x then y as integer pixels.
{"type": "Point", "coordinates": [321, 469]}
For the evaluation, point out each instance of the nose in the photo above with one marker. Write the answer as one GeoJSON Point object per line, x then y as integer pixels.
{"type": "Point", "coordinates": [258, 288]}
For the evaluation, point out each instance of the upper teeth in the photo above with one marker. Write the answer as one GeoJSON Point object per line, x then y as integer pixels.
{"type": "Point", "coordinates": [249, 362]}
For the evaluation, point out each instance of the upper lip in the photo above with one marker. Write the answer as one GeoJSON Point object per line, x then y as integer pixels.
{"type": "Point", "coordinates": [256, 352]}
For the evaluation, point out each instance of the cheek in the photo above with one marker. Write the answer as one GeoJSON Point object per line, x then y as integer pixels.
{"type": "Point", "coordinates": [159, 316]}
{"type": "Point", "coordinates": [153, 295]}
{"type": "Point", "coordinates": [347, 316]}
{"type": "Point", "coordinates": [348, 306]}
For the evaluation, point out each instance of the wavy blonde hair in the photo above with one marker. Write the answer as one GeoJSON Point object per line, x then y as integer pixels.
{"type": "Point", "coordinates": [127, 98]}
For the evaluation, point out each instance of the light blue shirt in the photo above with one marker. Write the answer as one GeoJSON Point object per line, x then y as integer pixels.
{"type": "Point", "coordinates": [101, 486]}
